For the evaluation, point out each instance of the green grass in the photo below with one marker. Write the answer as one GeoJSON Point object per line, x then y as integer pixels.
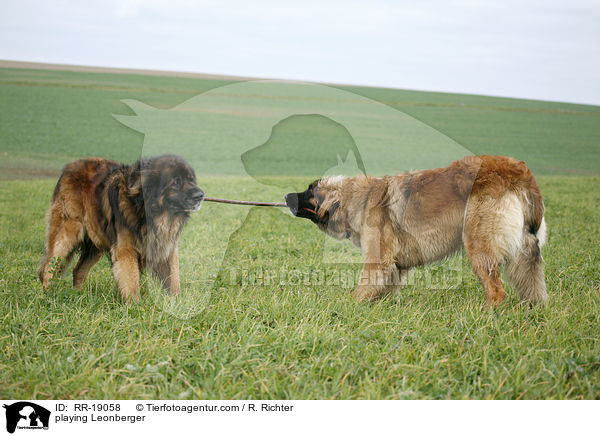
{"type": "Point", "coordinates": [299, 340]}
{"type": "Point", "coordinates": [250, 336]}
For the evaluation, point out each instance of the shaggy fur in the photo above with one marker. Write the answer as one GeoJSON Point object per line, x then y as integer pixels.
{"type": "Point", "coordinates": [491, 205]}
{"type": "Point", "coordinates": [135, 212]}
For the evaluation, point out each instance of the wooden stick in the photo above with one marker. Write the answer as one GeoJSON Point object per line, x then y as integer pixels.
{"type": "Point", "coordinates": [249, 203]}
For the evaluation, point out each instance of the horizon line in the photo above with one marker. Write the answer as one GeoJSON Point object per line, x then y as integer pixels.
{"type": "Point", "coordinates": [50, 66]}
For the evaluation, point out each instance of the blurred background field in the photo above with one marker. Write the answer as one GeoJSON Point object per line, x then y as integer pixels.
{"type": "Point", "coordinates": [52, 117]}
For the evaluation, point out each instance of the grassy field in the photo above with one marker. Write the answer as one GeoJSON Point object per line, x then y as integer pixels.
{"type": "Point", "coordinates": [51, 117]}
{"type": "Point", "coordinates": [254, 334]}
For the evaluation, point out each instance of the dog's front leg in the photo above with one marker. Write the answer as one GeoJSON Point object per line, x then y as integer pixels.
{"type": "Point", "coordinates": [376, 281]}
{"type": "Point", "coordinates": [380, 275]}
{"type": "Point", "coordinates": [167, 271]}
{"type": "Point", "coordinates": [174, 285]}
{"type": "Point", "coordinates": [126, 271]}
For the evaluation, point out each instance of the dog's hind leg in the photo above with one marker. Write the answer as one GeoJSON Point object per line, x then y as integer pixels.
{"type": "Point", "coordinates": [62, 241]}
{"type": "Point", "coordinates": [488, 272]}
{"type": "Point", "coordinates": [64, 265]}
{"type": "Point", "coordinates": [90, 255]}
{"type": "Point", "coordinates": [524, 268]}
{"type": "Point", "coordinates": [491, 235]}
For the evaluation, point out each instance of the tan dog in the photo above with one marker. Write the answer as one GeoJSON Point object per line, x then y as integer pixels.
{"type": "Point", "coordinates": [491, 205]}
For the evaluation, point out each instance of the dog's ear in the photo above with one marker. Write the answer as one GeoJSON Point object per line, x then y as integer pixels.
{"type": "Point", "coordinates": [134, 181]}
{"type": "Point", "coordinates": [377, 204]}
{"type": "Point", "coordinates": [320, 201]}
{"type": "Point", "coordinates": [327, 202]}
{"type": "Point", "coordinates": [134, 188]}
{"type": "Point", "coordinates": [334, 207]}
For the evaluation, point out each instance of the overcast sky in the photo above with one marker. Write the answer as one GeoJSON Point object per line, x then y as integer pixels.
{"type": "Point", "coordinates": [547, 50]}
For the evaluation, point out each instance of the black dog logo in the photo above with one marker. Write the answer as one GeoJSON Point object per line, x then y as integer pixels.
{"type": "Point", "coordinates": [30, 413]}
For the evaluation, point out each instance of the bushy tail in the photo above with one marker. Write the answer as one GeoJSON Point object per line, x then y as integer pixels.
{"type": "Point", "coordinates": [524, 269]}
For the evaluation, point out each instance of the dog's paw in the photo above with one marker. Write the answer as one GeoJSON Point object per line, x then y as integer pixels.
{"type": "Point", "coordinates": [367, 293]}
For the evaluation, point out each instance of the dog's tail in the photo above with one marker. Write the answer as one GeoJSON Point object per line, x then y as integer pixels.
{"type": "Point", "coordinates": [524, 268]}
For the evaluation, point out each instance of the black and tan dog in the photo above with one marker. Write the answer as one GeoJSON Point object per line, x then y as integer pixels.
{"type": "Point", "coordinates": [135, 212]}
{"type": "Point", "coordinates": [491, 205]}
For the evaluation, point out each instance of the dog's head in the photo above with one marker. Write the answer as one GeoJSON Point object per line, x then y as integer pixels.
{"type": "Point", "coordinates": [168, 183]}
{"type": "Point", "coordinates": [322, 204]}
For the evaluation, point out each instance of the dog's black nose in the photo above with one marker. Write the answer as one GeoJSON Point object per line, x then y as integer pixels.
{"type": "Point", "coordinates": [198, 195]}
{"type": "Point", "coordinates": [291, 200]}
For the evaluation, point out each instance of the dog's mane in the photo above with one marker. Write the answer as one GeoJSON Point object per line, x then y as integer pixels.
{"type": "Point", "coordinates": [332, 181]}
